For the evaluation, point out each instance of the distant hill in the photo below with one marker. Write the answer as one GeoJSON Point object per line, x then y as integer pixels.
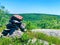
{"type": "Point", "coordinates": [41, 20]}
{"type": "Point", "coordinates": [36, 17]}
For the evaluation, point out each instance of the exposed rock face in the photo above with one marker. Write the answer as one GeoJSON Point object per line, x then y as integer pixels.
{"type": "Point", "coordinates": [16, 33]}
{"type": "Point", "coordinates": [50, 32]}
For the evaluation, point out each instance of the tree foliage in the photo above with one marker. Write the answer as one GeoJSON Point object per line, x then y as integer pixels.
{"type": "Point", "coordinates": [3, 16]}
{"type": "Point", "coordinates": [43, 21]}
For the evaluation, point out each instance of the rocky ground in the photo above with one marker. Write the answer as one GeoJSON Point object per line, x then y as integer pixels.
{"type": "Point", "coordinates": [50, 32]}
{"type": "Point", "coordinates": [17, 33]}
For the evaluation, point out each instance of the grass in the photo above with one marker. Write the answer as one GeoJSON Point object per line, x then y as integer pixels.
{"type": "Point", "coordinates": [2, 28]}
{"type": "Point", "coordinates": [16, 41]}
{"type": "Point", "coordinates": [45, 37]}
{"type": "Point", "coordinates": [27, 36]}
{"type": "Point", "coordinates": [51, 39]}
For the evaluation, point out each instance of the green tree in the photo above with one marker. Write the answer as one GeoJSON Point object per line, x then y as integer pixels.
{"type": "Point", "coordinates": [3, 16]}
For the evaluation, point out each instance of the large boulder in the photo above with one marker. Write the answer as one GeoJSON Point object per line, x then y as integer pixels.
{"type": "Point", "coordinates": [16, 33]}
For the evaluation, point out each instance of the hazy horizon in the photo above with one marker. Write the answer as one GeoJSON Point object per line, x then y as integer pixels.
{"type": "Point", "coordinates": [32, 6]}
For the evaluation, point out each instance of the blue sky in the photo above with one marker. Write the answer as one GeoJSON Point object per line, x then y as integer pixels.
{"type": "Point", "coordinates": [32, 6]}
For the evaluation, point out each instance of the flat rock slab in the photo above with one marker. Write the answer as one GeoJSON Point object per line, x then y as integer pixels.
{"type": "Point", "coordinates": [17, 33]}
{"type": "Point", "coordinates": [50, 32]}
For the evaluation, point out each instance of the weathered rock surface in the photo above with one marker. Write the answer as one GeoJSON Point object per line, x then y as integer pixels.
{"type": "Point", "coordinates": [50, 32]}
{"type": "Point", "coordinates": [17, 33]}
